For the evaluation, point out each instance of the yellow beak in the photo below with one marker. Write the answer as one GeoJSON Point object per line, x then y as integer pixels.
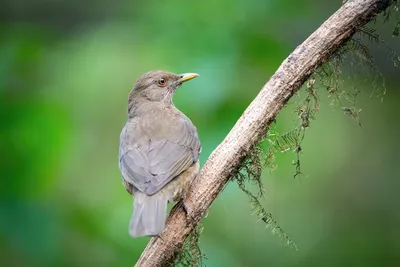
{"type": "Point", "coordinates": [187, 76]}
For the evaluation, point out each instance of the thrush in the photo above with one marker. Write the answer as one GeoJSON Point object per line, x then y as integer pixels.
{"type": "Point", "coordinates": [159, 150]}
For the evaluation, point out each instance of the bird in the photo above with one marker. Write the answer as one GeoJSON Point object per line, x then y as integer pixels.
{"type": "Point", "coordinates": [159, 150]}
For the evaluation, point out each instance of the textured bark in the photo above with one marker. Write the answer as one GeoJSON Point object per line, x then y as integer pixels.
{"type": "Point", "coordinates": [254, 122]}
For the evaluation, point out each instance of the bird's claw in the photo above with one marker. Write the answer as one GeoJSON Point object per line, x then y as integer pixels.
{"type": "Point", "coordinates": [187, 210]}
{"type": "Point", "coordinates": [159, 236]}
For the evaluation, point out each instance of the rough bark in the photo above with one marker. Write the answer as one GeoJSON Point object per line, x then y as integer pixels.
{"type": "Point", "coordinates": [254, 122]}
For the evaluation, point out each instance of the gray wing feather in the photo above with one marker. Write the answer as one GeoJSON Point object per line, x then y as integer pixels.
{"type": "Point", "coordinates": [153, 162]}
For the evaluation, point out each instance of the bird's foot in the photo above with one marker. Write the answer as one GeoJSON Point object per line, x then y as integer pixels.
{"type": "Point", "coordinates": [187, 209]}
{"type": "Point", "coordinates": [159, 236]}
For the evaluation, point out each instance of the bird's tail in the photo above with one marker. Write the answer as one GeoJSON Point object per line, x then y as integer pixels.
{"type": "Point", "coordinates": [149, 214]}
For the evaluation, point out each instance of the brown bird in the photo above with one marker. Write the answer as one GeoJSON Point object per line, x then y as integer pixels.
{"type": "Point", "coordinates": [159, 150]}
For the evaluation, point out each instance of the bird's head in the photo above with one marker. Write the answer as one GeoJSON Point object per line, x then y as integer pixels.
{"type": "Point", "coordinates": [159, 86]}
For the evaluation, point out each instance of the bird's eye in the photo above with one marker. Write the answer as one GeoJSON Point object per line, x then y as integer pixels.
{"type": "Point", "coordinates": [162, 82]}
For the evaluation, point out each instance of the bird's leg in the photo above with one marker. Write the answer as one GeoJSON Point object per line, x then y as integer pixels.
{"type": "Point", "coordinates": [187, 209]}
{"type": "Point", "coordinates": [159, 236]}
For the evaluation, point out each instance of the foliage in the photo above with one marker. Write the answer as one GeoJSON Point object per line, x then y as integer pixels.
{"type": "Point", "coordinates": [250, 171]}
{"type": "Point", "coordinates": [191, 255]}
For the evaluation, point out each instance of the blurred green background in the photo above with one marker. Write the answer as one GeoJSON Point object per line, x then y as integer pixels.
{"type": "Point", "coordinates": [66, 68]}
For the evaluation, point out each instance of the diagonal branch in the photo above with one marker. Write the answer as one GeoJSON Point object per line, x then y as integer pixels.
{"type": "Point", "coordinates": [254, 122]}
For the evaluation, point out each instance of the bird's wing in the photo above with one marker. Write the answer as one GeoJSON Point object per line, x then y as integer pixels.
{"type": "Point", "coordinates": [152, 161]}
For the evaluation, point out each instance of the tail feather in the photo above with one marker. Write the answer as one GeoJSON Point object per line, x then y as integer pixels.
{"type": "Point", "coordinates": [149, 214]}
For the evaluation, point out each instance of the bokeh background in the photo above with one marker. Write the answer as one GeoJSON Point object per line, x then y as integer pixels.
{"type": "Point", "coordinates": [66, 68]}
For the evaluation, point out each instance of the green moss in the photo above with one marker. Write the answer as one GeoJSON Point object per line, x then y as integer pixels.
{"type": "Point", "coordinates": [190, 255]}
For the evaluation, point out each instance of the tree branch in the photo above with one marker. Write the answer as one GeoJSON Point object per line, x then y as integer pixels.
{"type": "Point", "coordinates": [253, 124]}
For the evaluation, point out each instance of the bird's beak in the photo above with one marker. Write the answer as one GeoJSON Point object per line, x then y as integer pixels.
{"type": "Point", "coordinates": [186, 77]}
